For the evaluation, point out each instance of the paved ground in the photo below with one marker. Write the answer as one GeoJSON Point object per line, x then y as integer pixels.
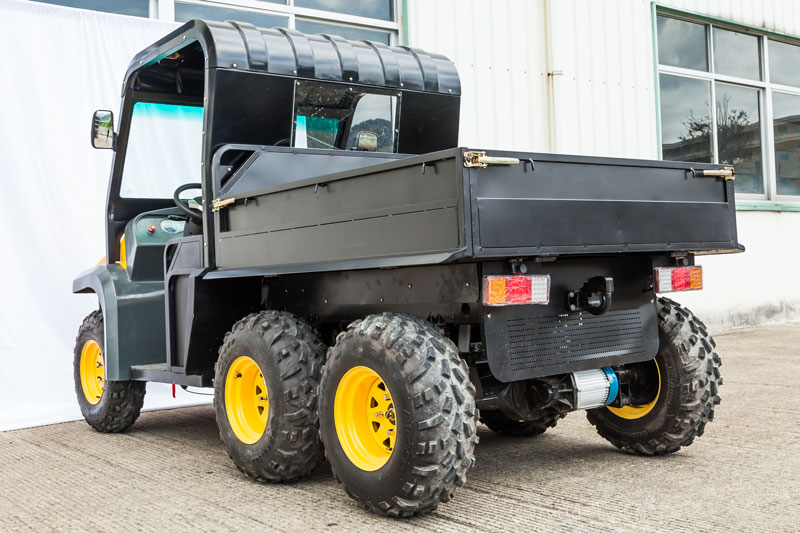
{"type": "Point", "coordinates": [170, 472]}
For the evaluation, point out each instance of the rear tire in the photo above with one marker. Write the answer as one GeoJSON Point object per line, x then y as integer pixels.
{"type": "Point", "coordinates": [500, 423]}
{"type": "Point", "coordinates": [265, 396]}
{"type": "Point", "coordinates": [688, 382]}
{"type": "Point", "coordinates": [107, 406]}
{"type": "Point", "coordinates": [429, 403]}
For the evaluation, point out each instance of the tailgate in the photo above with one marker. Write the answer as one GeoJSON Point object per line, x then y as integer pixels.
{"type": "Point", "coordinates": [575, 204]}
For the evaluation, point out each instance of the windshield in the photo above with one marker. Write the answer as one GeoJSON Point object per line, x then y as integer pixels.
{"type": "Point", "coordinates": [164, 149]}
{"type": "Point", "coordinates": [337, 117]}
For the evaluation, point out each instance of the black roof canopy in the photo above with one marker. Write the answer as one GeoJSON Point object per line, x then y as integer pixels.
{"type": "Point", "coordinates": [245, 79]}
{"type": "Point", "coordinates": [280, 51]}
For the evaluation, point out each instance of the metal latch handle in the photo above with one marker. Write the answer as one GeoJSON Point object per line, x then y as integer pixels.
{"type": "Point", "coordinates": [726, 173]}
{"type": "Point", "coordinates": [480, 159]}
{"type": "Point", "coordinates": [218, 204]}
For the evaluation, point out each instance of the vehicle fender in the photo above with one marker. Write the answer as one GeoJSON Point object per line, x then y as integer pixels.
{"type": "Point", "coordinates": [133, 314]}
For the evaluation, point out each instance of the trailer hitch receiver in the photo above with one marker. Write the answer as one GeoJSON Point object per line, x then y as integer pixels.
{"type": "Point", "coordinates": [594, 296]}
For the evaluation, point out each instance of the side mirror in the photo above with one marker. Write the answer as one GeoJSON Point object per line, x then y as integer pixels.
{"type": "Point", "coordinates": [103, 136]}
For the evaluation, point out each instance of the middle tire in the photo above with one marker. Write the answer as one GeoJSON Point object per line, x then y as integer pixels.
{"type": "Point", "coordinates": [397, 415]}
{"type": "Point", "coordinates": [265, 394]}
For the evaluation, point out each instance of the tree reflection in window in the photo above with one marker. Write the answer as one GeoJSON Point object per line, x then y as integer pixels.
{"type": "Point", "coordinates": [685, 119]}
{"type": "Point", "coordinates": [739, 135]}
{"type": "Point", "coordinates": [687, 133]}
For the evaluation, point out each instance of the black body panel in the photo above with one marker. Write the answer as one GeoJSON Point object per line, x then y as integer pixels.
{"type": "Point", "coordinates": [572, 204]}
{"type": "Point", "coordinates": [386, 210]}
{"type": "Point", "coordinates": [200, 312]}
{"type": "Point", "coordinates": [447, 292]}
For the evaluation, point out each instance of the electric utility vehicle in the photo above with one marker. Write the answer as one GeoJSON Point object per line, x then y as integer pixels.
{"type": "Point", "coordinates": [352, 284]}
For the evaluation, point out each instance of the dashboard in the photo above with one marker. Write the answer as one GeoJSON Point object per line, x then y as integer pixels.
{"type": "Point", "coordinates": [146, 237]}
{"type": "Point", "coordinates": [158, 229]}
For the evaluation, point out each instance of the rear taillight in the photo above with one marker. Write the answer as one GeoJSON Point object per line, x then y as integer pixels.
{"type": "Point", "coordinates": [516, 290]}
{"type": "Point", "coordinates": [676, 279]}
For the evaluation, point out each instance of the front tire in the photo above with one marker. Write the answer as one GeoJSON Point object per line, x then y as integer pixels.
{"type": "Point", "coordinates": [265, 394]}
{"type": "Point", "coordinates": [678, 400]}
{"type": "Point", "coordinates": [397, 415]}
{"type": "Point", "coordinates": [107, 406]}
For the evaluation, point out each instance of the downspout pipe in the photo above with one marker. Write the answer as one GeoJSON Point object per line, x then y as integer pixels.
{"type": "Point", "coordinates": [555, 75]}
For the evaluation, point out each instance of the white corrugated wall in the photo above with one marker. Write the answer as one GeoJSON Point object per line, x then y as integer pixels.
{"type": "Point", "coordinates": [585, 87]}
{"type": "Point", "coordinates": [503, 69]}
{"type": "Point", "coordinates": [578, 76]}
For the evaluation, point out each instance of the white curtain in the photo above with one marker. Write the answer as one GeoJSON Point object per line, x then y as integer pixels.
{"type": "Point", "coordinates": [58, 65]}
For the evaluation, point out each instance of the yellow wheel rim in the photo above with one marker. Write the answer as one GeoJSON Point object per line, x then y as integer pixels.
{"type": "Point", "coordinates": [93, 371]}
{"type": "Point", "coordinates": [632, 412]}
{"type": "Point", "coordinates": [246, 400]}
{"type": "Point", "coordinates": [365, 418]}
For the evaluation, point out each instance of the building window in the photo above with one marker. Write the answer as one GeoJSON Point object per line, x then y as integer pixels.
{"type": "Point", "coordinates": [348, 32]}
{"type": "Point", "coordinates": [136, 8]}
{"type": "Point", "coordinates": [732, 97]}
{"type": "Point", "coordinates": [376, 9]}
{"type": "Point", "coordinates": [371, 20]}
{"type": "Point", "coordinates": [185, 11]}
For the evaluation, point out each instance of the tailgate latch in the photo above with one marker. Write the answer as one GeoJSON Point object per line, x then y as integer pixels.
{"type": "Point", "coordinates": [218, 204]}
{"type": "Point", "coordinates": [726, 173]}
{"type": "Point", "coordinates": [481, 160]}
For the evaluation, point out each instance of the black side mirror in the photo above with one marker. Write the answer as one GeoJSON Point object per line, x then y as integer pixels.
{"type": "Point", "coordinates": [103, 136]}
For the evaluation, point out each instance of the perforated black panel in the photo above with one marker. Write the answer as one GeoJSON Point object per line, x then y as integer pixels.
{"type": "Point", "coordinates": [546, 344]}
{"type": "Point", "coordinates": [524, 342]}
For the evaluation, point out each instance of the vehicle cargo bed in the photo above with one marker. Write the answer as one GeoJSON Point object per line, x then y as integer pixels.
{"type": "Point", "coordinates": [433, 209]}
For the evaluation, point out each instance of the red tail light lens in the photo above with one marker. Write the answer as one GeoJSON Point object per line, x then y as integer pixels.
{"type": "Point", "coordinates": [516, 290]}
{"type": "Point", "coordinates": [677, 279]}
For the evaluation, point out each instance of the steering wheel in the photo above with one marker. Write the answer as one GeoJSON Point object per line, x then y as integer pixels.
{"type": "Point", "coordinates": [194, 214]}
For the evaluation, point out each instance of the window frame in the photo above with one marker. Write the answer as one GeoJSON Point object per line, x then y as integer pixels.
{"type": "Point", "coordinates": [381, 91]}
{"type": "Point", "coordinates": [765, 88]}
{"type": "Point", "coordinates": [165, 10]}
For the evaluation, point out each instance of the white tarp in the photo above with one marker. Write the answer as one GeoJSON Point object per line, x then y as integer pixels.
{"type": "Point", "coordinates": [58, 65]}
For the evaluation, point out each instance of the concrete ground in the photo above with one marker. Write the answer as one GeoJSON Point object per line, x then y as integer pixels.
{"type": "Point", "coordinates": [170, 472]}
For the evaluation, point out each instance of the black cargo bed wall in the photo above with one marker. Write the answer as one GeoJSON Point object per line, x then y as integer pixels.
{"type": "Point", "coordinates": [579, 205]}
{"type": "Point", "coordinates": [383, 212]}
{"type": "Point", "coordinates": [431, 209]}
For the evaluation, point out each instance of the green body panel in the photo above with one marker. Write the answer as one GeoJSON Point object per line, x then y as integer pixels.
{"type": "Point", "coordinates": [133, 312]}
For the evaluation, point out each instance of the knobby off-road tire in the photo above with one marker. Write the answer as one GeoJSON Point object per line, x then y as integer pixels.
{"type": "Point", "coordinates": [436, 417]}
{"type": "Point", "coordinates": [290, 355]}
{"type": "Point", "coordinates": [500, 423]}
{"type": "Point", "coordinates": [119, 404]}
{"type": "Point", "coordinates": [689, 386]}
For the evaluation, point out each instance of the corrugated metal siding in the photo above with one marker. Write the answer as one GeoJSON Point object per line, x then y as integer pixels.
{"type": "Point", "coordinates": [498, 49]}
{"type": "Point", "coordinates": [602, 102]}
{"type": "Point", "coordinates": [605, 103]}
